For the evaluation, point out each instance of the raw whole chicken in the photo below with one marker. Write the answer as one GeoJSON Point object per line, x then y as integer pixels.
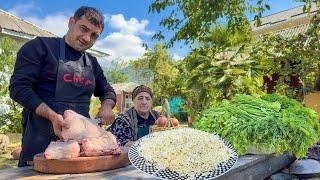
{"type": "Point", "coordinates": [93, 140]}
{"type": "Point", "coordinates": [100, 146]}
{"type": "Point", "coordinates": [79, 127]}
{"type": "Point", "coordinates": [62, 150]}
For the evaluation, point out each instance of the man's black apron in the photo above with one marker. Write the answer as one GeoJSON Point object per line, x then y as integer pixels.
{"type": "Point", "coordinates": [74, 87]}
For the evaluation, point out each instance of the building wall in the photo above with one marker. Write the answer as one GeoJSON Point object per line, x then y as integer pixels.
{"type": "Point", "coordinates": [119, 103]}
{"type": "Point", "coordinates": [124, 101]}
{"type": "Point", "coordinates": [127, 103]}
{"type": "Point", "coordinates": [17, 40]}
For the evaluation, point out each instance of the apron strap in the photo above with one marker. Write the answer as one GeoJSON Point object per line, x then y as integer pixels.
{"type": "Point", "coordinates": [85, 59]}
{"type": "Point", "coordinates": [62, 53]}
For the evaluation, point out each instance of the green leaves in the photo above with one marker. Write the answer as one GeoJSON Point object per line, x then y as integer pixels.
{"type": "Point", "coordinates": [291, 57]}
{"type": "Point", "coordinates": [192, 19]}
{"type": "Point", "coordinates": [164, 73]}
{"type": "Point", "coordinates": [274, 122]}
{"type": "Point", "coordinates": [116, 73]}
{"type": "Point", "coordinates": [10, 119]}
{"type": "Point", "coordinates": [230, 72]}
{"type": "Point", "coordinates": [228, 60]}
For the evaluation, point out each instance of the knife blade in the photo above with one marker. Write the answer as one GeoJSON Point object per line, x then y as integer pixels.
{"type": "Point", "coordinates": [96, 121]}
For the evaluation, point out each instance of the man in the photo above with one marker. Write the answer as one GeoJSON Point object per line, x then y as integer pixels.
{"type": "Point", "coordinates": [52, 75]}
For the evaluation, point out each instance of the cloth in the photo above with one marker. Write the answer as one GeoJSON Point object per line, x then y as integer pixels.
{"type": "Point", "coordinates": [34, 76]}
{"type": "Point", "coordinates": [139, 89]}
{"type": "Point", "coordinates": [144, 125]}
{"type": "Point", "coordinates": [145, 122]}
{"type": "Point", "coordinates": [126, 127]}
{"type": "Point", "coordinates": [75, 79]}
{"type": "Point", "coordinates": [142, 131]}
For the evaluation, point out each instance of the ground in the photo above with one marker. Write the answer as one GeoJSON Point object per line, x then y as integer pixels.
{"type": "Point", "coordinates": [6, 160]}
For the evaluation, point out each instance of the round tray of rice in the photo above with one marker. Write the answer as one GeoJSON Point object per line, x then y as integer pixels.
{"type": "Point", "coordinates": [182, 153]}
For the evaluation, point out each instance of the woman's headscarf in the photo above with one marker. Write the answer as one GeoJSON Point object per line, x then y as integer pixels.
{"type": "Point", "coordinates": [139, 89]}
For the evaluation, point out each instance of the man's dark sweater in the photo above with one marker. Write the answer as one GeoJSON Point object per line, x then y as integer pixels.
{"type": "Point", "coordinates": [35, 73]}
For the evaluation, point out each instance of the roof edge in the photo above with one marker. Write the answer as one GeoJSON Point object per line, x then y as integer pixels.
{"type": "Point", "coordinates": [14, 16]}
{"type": "Point", "coordinates": [279, 12]}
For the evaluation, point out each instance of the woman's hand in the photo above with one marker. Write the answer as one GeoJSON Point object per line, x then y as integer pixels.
{"type": "Point", "coordinates": [129, 144]}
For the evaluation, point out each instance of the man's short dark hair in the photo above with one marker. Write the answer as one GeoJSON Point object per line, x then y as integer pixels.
{"type": "Point", "coordinates": [92, 14]}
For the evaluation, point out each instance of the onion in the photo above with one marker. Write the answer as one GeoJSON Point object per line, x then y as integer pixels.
{"type": "Point", "coordinates": [161, 121]}
{"type": "Point", "coordinates": [175, 122]}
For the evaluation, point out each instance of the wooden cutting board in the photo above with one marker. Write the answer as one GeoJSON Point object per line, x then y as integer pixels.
{"type": "Point", "coordinates": [80, 164]}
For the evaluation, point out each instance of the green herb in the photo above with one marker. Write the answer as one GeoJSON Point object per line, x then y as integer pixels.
{"type": "Point", "coordinates": [272, 122]}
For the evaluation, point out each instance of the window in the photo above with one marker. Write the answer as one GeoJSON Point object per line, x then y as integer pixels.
{"type": "Point", "coordinates": [127, 102]}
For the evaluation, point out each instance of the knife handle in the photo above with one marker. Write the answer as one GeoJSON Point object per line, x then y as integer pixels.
{"type": "Point", "coordinates": [99, 121]}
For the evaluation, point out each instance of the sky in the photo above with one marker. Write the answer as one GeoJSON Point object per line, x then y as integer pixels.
{"type": "Point", "coordinates": [127, 22]}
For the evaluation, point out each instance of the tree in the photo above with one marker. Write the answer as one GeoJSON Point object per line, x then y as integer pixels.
{"type": "Point", "coordinates": [161, 63]}
{"type": "Point", "coordinates": [292, 57]}
{"type": "Point", "coordinates": [219, 36]}
{"type": "Point", "coordinates": [219, 68]}
{"type": "Point", "coordinates": [227, 59]}
{"type": "Point", "coordinates": [141, 70]}
{"type": "Point", "coordinates": [116, 72]}
{"type": "Point", "coordinates": [192, 19]}
{"type": "Point", "coordinates": [10, 117]}
{"type": "Point", "coordinates": [161, 70]}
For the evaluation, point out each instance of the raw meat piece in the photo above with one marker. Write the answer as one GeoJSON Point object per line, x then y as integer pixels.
{"type": "Point", "coordinates": [62, 150]}
{"type": "Point", "coordinates": [16, 153]}
{"type": "Point", "coordinates": [79, 127]}
{"type": "Point", "coordinates": [100, 146]}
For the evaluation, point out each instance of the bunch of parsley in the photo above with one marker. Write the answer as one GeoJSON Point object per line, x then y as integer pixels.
{"type": "Point", "coordinates": [272, 122]}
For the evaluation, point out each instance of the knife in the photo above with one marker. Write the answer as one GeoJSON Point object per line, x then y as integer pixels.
{"type": "Point", "coordinates": [96, 121]}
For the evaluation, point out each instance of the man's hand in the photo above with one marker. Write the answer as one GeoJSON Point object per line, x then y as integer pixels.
{"type": "Point", "coordinates": [106, 115]}
{"type": "Point", "coordinates": [57, 125]}
{"type": "Point", "coordinates": [105, 112]}
{"type": "Point", "coordinates": [57, 121]}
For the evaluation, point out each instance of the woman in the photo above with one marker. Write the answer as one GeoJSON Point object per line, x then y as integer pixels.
{"type": "Point", "coordinates": [135, 122]}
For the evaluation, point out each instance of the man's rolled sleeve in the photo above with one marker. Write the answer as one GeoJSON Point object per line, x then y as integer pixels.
{"type": "Point", "coordinates": [110, 94]}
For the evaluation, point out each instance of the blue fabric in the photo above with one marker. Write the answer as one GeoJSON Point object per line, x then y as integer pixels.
{"type": "Point", "coordinates": [142, 131]}
{"type": "Point", "coordinates": [175, 104]}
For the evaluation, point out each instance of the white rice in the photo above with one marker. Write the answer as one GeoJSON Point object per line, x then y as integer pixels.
{"type": "Point", "coordinates": [184, 150]}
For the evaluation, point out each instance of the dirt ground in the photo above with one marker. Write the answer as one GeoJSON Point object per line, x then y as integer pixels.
{"type": "Point", "coordinates": [6, 160]}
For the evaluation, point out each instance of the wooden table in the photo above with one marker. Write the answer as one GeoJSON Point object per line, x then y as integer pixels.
{"type": "Point", "coordinates": [247, 167]}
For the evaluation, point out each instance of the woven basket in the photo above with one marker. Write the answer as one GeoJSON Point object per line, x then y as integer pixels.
{"type": "Point", "coordinates": [166, 113]}
{"type": "Point", "coordinates": [155, 128]}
